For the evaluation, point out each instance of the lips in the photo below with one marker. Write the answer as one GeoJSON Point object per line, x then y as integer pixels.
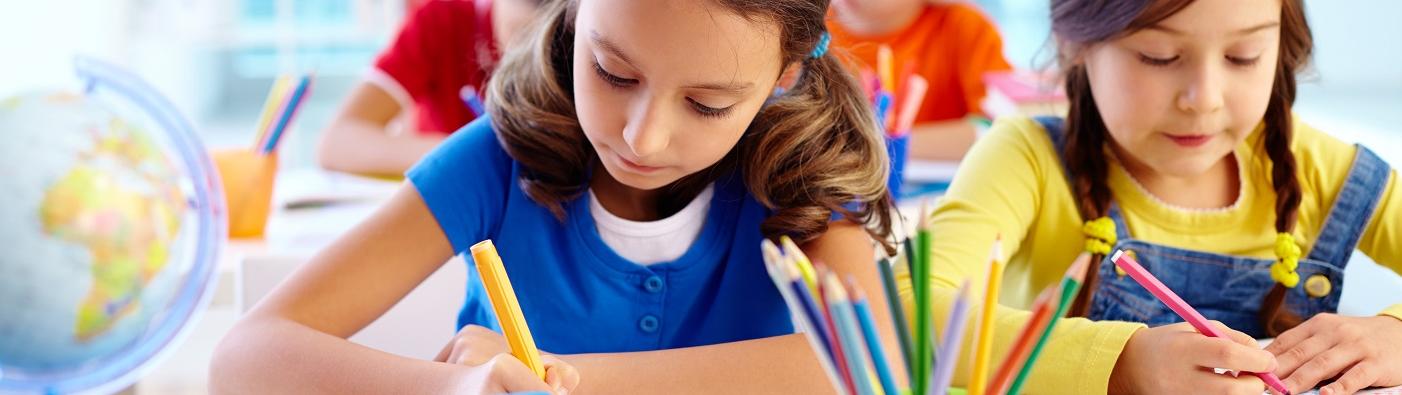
{"type": "Point", "coordinates": [1190, 140]}
{"type": "Point", "coordinates": [635, 167]}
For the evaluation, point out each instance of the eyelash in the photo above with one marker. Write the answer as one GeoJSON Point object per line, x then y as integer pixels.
{"type": "Point", "coordinates": [613, 80]}
{"type": "Point", "coordinates": [1157, 62]}
{"type": "Point", "coordinates": [621, 83]}
{"type": "Point", "coordinates": [1243, 62]}
{"type": "Point", "coordinates": [708, 111]}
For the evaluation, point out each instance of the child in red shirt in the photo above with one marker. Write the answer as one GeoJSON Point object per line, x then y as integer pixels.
{"type": "Point", "coordinates": [414, 97]}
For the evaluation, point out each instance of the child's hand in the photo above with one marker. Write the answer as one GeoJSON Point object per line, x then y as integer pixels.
{"type": "Point", "coordinates": [1176, 359]}
{"type": "Point", "coordinates": [1360, 351]}
{"type": "Point", "coordinates": [494, 366]}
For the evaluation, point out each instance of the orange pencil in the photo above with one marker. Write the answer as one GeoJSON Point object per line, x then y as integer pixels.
{"type": "Point", "coordinates": [1041, 315]}
{"type": "Point", "coordinates": [886, 68]}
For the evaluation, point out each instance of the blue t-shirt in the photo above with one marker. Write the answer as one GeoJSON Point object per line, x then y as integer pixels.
{"type": "Point", "coordinates": [577, 294]}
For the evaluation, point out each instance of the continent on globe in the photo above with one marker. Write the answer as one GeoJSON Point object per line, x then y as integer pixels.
{"type": "Point", "coordinates": [116, 203]}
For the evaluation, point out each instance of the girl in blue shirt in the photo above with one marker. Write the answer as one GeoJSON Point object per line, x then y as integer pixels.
{"type": "Point", "coordinates": [635, 155]}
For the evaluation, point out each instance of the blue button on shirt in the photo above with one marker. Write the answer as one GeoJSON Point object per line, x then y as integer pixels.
{"type": "Point", "coordinates": [577, 294]}
{"type": "Point", "coordinates": [653, 284]}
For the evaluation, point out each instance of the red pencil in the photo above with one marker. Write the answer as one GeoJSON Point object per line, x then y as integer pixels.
{"type": "Point", "coordinates": [1017, 355]}
{"type": "Point", "coordinates": [839, 356]}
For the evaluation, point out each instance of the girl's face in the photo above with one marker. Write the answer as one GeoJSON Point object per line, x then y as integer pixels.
{"type": "Point", "coordinates": [665, 88]}
{"type": "Point", "coordinates": [1178, 96]}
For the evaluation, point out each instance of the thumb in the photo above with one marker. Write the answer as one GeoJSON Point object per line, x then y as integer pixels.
{"type": "Point", "coordinates": [511, 375]}
{"type": "Point", "coordinates": [1236, 336]}
{"type": "Point", "coordinates": [1248, 341]}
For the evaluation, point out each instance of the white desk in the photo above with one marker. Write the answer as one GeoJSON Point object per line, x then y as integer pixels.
{"type": "Point", "coordinates": [249, 268]}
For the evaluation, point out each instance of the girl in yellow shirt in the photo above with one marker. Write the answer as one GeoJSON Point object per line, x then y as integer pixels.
{"type": "Point", "coordinates": [1186, 155]}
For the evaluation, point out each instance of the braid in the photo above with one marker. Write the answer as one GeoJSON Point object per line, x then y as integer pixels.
{"type": "Point", "coordinates": [1279, 132]}
{"type": "Point", "coordinates": [1085, 159]}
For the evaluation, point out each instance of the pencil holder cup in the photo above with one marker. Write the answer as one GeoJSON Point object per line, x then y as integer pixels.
{"type": "Point", "coordinates": [897, 148]}
{"type": "Point", "coordinates": [247, 177]}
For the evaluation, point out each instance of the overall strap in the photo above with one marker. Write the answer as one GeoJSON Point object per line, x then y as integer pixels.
{"type": "Point", "coordinates": [1054, 126]}
{"type": "Point", "coordinates": [1353, 209]}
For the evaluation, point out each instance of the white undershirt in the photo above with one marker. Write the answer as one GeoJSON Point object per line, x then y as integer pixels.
{"type": "Point", "coordinates": [652, 242]}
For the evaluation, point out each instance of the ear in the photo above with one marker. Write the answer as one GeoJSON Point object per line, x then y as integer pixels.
{"type": "Point", "coordinates": [1070, 54]}
{"type": "Point", "coordinates": [789, 76]}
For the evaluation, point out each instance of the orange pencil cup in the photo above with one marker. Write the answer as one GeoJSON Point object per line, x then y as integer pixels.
{"type": "Point", "coordinates": [248, 188]}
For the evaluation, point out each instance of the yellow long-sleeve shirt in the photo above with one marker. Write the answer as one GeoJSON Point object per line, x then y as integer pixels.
{"type": "Point", "coordinates": [1012, 184]}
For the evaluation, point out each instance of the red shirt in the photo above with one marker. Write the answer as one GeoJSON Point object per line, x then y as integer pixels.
{"type": "Point", "coordinates": [951, 45]}
{"type": "Point", "coordinates": [443, 46]}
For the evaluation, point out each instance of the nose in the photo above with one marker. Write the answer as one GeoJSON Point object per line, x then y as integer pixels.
{"type": "Point", "coordinates": [648, 130]}
{"type": "Point", "coordinates": [1204, 89]}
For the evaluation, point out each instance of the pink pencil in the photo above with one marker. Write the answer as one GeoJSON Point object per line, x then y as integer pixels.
{"type": "Point", "coordinates": [915, 90]}
{"type": "Point", "coordinates": [1144, 278]}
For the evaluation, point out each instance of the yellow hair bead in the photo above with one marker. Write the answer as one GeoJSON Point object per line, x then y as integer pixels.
{"type": "Point", "coordinates": [1287, 255]}
{"type": "Point", "coordinates": [1100, 235]}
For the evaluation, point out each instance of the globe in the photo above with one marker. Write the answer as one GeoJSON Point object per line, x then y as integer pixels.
{"type": "Point", "coordinates": [111, 219]}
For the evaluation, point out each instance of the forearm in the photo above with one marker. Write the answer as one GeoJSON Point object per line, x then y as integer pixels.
{"type": "Point", "coordinates": [780, 364]}
{"type": "Point", "coordinates": [272, 356]}
{"type": "Point", "coordinates": [942, 140]}
{"type": "Point", "coordinates": [360, 147]}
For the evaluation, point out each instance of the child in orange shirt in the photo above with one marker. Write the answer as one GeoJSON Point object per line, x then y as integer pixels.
{"type": "Point", "coordinates": [950, 44]}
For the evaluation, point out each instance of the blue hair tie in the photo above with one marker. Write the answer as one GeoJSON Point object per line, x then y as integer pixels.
{"type": "Point", "coordinates": [822, 47]}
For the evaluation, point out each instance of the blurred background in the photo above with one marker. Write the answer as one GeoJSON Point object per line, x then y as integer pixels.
{"type": "Point", "coordinates": [215, 59]}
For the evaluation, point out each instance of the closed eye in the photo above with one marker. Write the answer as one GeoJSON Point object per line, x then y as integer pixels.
{"type": "Point", "coordinates": [708, 111]}
{"type": "Point", "coordinates": [1157, 62]}
{"type": "Point", "coordinates": [1244, 62]}
{"type": "Point", "coordinates": [615, 81]}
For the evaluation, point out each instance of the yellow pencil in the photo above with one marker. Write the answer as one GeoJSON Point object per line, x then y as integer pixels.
{"type": "Point", "coordinates": [805, 266]}
{"type": "Point", "coordinates": [983, 353]}
{"type": "Point", "coordinates": [886, 68]}
{"type": "Point", "coordinates": [513, 323]}
{"type": "Point", "coordinates": [265, 118]}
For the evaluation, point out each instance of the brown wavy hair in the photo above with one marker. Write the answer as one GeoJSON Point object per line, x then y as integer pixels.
{"type": "Point", "coordinates": [1080, 23]}
{"type": "Point", "coordinates": [810, 152]}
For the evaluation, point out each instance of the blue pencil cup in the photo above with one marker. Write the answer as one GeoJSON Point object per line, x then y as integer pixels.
{"type": "Point", "coordinates": [897, 148]}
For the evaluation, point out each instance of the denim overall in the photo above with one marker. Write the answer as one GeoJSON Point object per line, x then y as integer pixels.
{"type": "Point", "coordinates": [1229, 288]}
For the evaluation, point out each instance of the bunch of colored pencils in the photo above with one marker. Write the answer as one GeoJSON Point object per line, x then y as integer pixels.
{"type": "Point", "coordinates": [895, 100]}
{"type": "Point", "coordinates": [835, 317]}
{"type": "Point", "coordinates": [284, 99]}
{"type": "Point", "coordinates": [837, 322]}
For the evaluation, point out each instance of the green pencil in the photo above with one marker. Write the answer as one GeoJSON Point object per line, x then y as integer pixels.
{"type": "Point", "coordinates": [893, 301]}
{"type": "Point", "coordinates": [923, 324]}
{"type": "Point", "coordinates": [1070, 284]}
{"type": "Point", "coordinates": [909, 246]}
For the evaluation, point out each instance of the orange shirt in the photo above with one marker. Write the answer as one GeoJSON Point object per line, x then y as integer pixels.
{"type": "Point", "coordinates": [951, 45]}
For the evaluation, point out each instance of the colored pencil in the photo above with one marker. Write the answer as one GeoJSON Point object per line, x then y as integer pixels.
{"type": "Point", "coordinates": [1175, 303]}
{"type": "Point", "coordinates": [1070, 284]}
{"type": "Point", "coordinates": [978, 383]}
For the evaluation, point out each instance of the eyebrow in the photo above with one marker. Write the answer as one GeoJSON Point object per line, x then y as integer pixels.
{"type": "Point", "coordinates": [1241, 32]}
{"type": "Point", "coordinates": [725, 88]}
{"type": "Point", "coordinates": [731, 88]}
{"type": "Point", "coordinates": [609, 46]}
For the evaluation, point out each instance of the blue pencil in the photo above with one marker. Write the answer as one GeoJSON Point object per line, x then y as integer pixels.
{"type": "Point", "coordinates": [810, 307]}
{"type": "Point", "coordinates": [472, 100]}
{"type": "Point", "coordinates": [293, 103]}
{"type": "Point", "coordinates": [883, 106]}
{"type": "Point", "coordinates": [878, 355]}
{"type": "Point", "coordinates": [844, 319]}
{"type": "Point", "coordinates": [776, 264]}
